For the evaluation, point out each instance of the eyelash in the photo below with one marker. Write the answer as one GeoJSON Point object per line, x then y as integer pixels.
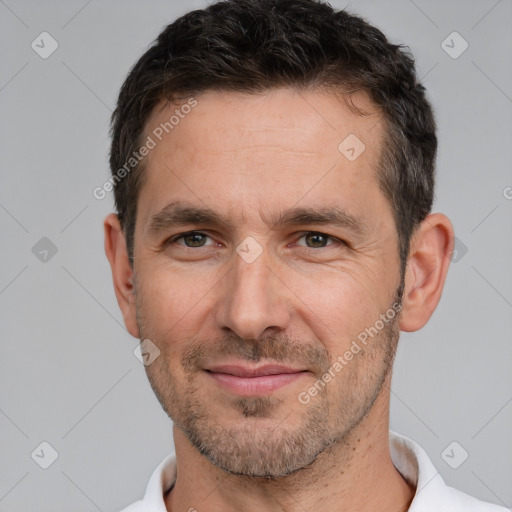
{"type": "Point", "coordinates": [337, 241]}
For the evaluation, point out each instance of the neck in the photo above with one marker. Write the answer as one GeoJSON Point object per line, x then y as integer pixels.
{"type": "Point", "coordinates": [356, 473]}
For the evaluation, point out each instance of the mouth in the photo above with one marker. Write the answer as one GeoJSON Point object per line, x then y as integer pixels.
{"type": "Point", "coordinates": [245, 380]}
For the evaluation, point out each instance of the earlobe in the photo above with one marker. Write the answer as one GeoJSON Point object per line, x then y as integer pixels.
{"type": "Point", "coordinates": [427, 266]}
{"type": "Point", "coordinates": [122, 275]}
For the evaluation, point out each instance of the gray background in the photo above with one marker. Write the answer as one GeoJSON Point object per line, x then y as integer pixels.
{"type": "Point", "coordinates": [68, 374]}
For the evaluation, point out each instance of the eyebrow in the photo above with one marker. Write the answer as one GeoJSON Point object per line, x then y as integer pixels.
{"type": "Point", "coordinates": [179, 213]}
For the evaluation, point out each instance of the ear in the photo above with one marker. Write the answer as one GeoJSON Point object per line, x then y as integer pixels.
{"type": "Point", "coordinates": [430, 251]}
{"type": "Point", "coordinates": [117, 254]}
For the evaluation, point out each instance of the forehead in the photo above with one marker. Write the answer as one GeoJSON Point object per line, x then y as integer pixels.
{"type": "Point", "coordinates": [256, 149]}
{"type": "Point", "coordinates": [258, 118]}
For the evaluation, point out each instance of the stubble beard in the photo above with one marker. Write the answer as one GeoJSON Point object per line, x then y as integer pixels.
{"type": "Point", "coordinates": [259, 443]}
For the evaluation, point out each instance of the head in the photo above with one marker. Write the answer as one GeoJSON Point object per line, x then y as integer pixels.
{"type": "Point", "coordinates": [279, 210]}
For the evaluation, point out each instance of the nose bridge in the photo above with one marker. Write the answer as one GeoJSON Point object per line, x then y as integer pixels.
{"type": "Point", "coordinates": [254, 299]}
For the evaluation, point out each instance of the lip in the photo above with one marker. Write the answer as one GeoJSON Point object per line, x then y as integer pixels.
{"type": "Point", "coordinates": [253, 381]}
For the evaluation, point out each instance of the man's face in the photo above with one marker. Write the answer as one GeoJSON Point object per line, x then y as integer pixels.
{"type": "Point", "coordinates": [251, 310]}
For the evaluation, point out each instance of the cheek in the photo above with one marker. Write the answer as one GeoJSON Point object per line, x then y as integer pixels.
{"type": "Point", "coordinates": [337, 308]}
{"type": "Point", "coordinates": [170, 303]}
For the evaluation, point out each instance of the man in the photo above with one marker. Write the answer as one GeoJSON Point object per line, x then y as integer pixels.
{"type": "Point", "coordinates": [273, 170]}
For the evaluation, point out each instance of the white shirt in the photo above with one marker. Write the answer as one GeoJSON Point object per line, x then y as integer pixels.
{"type": "Point", "coordinates": [409, 458]}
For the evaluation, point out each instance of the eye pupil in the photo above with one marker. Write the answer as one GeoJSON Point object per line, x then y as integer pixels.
{"type": "Point", "coordinates": [316, 237]}
{"type": "Point", "coordinates": [197, 239]}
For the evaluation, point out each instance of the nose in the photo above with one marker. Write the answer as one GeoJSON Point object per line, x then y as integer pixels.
{"type": "Point", "coordinates": [254, 299]}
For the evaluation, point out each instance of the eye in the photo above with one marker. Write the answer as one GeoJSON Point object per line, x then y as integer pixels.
{"type": "Point", "coordinates": [197, 239]}
{"type": "Point", "coordinates": [191, 239]}
{"type": "Point", "coordinates": [316, 240]}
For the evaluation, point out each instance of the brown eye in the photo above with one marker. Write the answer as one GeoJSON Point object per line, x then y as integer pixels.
{"type": "Point", "coordinates": [316, 239]}
{"type": "Point", "coordinates": [191, 239]}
